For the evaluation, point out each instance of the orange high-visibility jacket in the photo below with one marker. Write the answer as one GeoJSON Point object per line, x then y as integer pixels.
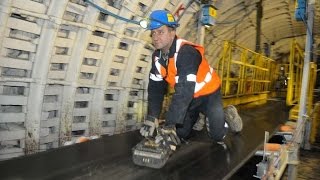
{"type": "Point", "coordinates": [197, 79]}
{"type": "Point", "coordinates": [206, 80]}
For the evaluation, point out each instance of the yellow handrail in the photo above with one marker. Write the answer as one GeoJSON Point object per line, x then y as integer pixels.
{"type": "Point", "coordinates": [295, 78]}
{"type": "Point", "coordinates": [243, 71]}
{"type": "Point", "coordinates": [295, 73]}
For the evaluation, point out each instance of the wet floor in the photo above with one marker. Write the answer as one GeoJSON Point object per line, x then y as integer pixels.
{"type": "Point", "coordinates": [309, 167]}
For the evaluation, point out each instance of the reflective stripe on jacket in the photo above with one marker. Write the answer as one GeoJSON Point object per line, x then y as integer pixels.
{"type": "Point", "coordinates": [206, 80]}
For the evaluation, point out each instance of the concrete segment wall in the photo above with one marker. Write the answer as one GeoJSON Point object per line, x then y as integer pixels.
{"type": "Point", "coordinates": [68, 70]}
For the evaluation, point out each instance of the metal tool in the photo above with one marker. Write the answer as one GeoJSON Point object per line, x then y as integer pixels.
{"type": "Point", "coordinates": [152, 152]}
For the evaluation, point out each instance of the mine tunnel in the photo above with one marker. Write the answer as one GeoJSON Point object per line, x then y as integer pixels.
{"type": "Point", "coordinates": [75, 87]}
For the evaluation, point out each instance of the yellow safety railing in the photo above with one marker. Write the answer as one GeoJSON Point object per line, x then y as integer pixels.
{"type": "Point", "coordinates": [312, 81]}
{"type": "Point", "coordinates": [295, 73]}
{"type": "Point", "coordinates": [295, 79]}
{"type": "Point", "coordinates": [244, 72]}
{"type": "Point", "coordinates": [315, 122]}
{"type": "Point", "coordinates": [293, 114]}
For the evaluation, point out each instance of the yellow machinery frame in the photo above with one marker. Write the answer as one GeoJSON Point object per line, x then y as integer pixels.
{"type": "Point", "coordinates": [246, 75]}
{"type": "Point", "coordinates": [295, 73]}
{"type": "Point", "coordinates": [295, 78]}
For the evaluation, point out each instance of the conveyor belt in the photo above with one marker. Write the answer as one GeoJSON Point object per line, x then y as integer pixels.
{"type": "Point", "coordinates": [110, 157]}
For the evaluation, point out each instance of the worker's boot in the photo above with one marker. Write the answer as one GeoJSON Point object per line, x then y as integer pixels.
{"type": "Point", "coordinates": [222, 144]}
{"type": "Point", "coordinates": [233, 120]}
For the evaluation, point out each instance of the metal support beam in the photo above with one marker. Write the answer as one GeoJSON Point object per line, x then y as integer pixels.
{"type": "Point", "coordinates": [258, 26]}
{"type": "Point", "coordinates": [292, 169]}
{"type": "Point", "coordinates": [306, 67]}
{"type": "Point", "coordinates": [201, 29]}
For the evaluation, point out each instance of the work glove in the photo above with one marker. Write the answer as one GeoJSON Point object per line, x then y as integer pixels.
{"type": "Point", "coordinates": [170, 136]}
{"type": "Point", "coordinates": [149, 126]}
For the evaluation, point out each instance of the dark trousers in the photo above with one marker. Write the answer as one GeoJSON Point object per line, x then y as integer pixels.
{"type": "Point", "coordinates": [211, 106]}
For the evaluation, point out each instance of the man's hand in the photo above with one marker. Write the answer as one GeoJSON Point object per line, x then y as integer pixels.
{"type": "Point", "coordinates": [170, 136]}
{"type": "Point", "coordinates": [148, 126]}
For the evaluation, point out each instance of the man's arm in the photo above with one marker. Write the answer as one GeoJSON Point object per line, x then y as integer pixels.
{"type": "Point", "coordinates": [188, 61]}
{"type": "Point", "coordinates": [156, 91]}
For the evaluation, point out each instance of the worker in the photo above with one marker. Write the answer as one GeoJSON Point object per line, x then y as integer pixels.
{"type": "Point", "coordinates": [182, 65]}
